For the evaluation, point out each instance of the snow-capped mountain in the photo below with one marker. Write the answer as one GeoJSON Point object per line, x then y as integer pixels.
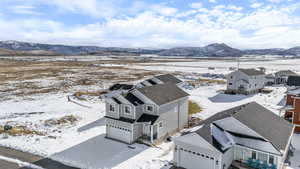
{"type": "Point", "coordinates": [212, 50]}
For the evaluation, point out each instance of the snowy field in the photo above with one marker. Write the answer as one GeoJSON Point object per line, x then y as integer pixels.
{"type": "Point", "coordinates": [83, 143]}
{"type": "Point", "coordinates": [223, 66]}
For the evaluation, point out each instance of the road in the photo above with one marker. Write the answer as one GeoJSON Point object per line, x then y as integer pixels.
{"type": "Point", "coordinates": [29, 158]}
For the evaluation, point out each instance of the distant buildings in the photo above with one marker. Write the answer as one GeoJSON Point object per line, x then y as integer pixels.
{"type": "Point", "coordinates": [280, 77]}
{"type": "Point", "coordinates": [246, 136]}
{"type": "Point", "coordinates": [245, 81]}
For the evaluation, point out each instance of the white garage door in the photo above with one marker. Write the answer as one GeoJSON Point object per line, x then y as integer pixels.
{"type": "Point", "coordinates": [119, 133]}
{"type": "Point", "coordinates": [193, 160]}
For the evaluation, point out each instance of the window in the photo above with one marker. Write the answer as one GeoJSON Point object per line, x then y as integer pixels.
{"type": "Point", "coordinates": [230, 84]}
{"type": "Point", "coordinates": [231, 77]}
{"type": "Point", "coordinates": [127, 109]}
{"type": "Point", "coordinates": [111, 108]}
{"type": "Point", "coordinates": [160, 124]}
{"type": "Point", "coordinates": [271, 159]}
{"type": "Point", "coordinates": [253, 155]}
{"type": "Point", "coordinates": [262, 157]}
{"type": "Point", "coordinates": [149, 108]}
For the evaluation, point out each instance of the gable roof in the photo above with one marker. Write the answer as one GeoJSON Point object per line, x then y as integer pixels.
{"type": "Point", "coordinates": [285, 73]}
{"type": "Point", "coordinates": [263, 121]}
{"type": "Point", "coordinates": [133, 99]}
{"type": "Point", "coordinates": [163, 93]}
{"type": "Point", "coordinates": [168, 78]}
{"type": "Point", "coordinates": [258, 118]}
{"type": "Point", "coordinates": [252, 72]}
{"type": "Point", "coordinates": [293, 81]}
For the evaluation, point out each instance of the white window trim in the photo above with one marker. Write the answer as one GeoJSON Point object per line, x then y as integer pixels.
{"type": "Point", "coordinates": [162, 125]}
{"type": "Point", "coordinates": [130, 110]}
{"type": "Point", "coordinates": [149, 106]}
{"type": "Point", "coordinates": [114, 106]}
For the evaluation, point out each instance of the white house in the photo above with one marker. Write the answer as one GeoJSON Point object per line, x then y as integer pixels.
{"type": "Point", "coordinates": [247, 135]}
{"type": "Point", "coordinates": [148, 113]}
{"type": "Point", "coordinates": [245, 81]}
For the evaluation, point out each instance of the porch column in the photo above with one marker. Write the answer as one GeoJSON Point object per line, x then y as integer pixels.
{"type": "Point", "coordinates": [151, 131]}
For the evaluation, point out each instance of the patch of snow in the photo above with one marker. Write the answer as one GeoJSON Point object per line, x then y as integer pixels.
{"type": "Point", "coordinates": [20, 163]}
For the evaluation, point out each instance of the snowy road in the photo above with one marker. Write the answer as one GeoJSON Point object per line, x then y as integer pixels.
{"type": "Point", "coordinates": [12, 159]}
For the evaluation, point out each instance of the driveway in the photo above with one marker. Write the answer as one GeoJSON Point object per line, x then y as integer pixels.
{"type": "Point", "coordinates": [28, 158]}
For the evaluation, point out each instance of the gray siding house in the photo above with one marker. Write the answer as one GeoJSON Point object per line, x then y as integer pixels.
{"type": "Point", "coordinates": [247, 135]}
{"type": "Point", "coordinates": [149, 113]}
{"type": "Point", "coordinates": [245, 81]}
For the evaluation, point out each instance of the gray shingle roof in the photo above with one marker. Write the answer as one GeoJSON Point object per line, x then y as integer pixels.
{"type": "Point", "coordinates": [163, 93]}
{"type": "Point", "coordinates": [252, 72]}
{"type": "Point", "coordinates": [168, 78]}
{"type": "Point", "coordinates": [272, 127]}
{"type": "Point", "coordinates": [258, 118]}
{"type": "Point", "coordinates": [285, 73]}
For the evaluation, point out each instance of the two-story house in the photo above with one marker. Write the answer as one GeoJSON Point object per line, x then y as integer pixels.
{"type": "Point", "coordinates": [149, 112]}
{"type": "Point", "coordinates": [292, 108]}
{"type": "Point", "coordinates": [246, 136]}
{"type": "Point", "coordinates": [245, 81]}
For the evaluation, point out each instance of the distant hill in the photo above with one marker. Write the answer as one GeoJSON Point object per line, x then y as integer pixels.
{"type": "Point", "coordinates": [213, 50]}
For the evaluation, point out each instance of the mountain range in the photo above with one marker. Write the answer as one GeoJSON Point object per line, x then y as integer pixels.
{"type": "Point", "coordinates": [16, 48]}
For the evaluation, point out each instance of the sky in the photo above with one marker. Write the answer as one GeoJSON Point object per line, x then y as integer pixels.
{"type": "Point", "coordinates": [243, 24]}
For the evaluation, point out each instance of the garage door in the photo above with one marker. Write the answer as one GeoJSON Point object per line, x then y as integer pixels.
{"type": "Point", "coordinates": [119, 133]}
{"type": "Point", "coordinates": [193, 160]}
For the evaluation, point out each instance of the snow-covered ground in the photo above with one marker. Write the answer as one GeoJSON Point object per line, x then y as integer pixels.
{"type": "Point", "coordinates": [83, 144]}
{"type": "Point", "coordinates": [223, 66]}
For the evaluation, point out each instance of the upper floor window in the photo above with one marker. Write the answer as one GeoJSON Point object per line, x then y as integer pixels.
{"type": "Point", "coordinates": [112, 108]}
{"type": "Point", "coordinates": [160, 124]}
{"type": "Point", "coordinates": [230, 83]}
{"type": "Point", "coordinates": [127, 109]}
{"type": "Point", "coordinates": [149, 108]}
{"type": "Point", "coordinates": [231, 77]}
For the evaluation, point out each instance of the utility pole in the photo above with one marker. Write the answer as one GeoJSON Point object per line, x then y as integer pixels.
{"type": "Point", "coordinates": [238, 63]}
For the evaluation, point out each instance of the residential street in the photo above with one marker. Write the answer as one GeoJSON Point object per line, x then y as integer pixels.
{"type": "Point", "coordinates": [29, 158]}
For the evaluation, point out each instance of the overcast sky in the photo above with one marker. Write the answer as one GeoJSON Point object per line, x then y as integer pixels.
{"type": "Point", "coordinates": [153, 23]}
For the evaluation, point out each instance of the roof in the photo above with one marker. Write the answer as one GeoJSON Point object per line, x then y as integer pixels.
{"type": "Point", "coordinates": [258, 118]}
{"type": "Point", "coordinates": [133, 99]}
{"type": "Point", "coordinates": [252, 72]}
{"type": "Point", "coordinates": [285, 73]}
{"type": "Point", "coordinates": [168, 78]}
{"type": "Point", "coordinates": [147, 118]}
{"type": "Point", "coordinates": [120, 86]}
{"type": "Point", "coordinates": [163, 93]}
{"type": "Point", "coordinates": [123, 119]}
{"type": "Point", "coordinates": [116, 100]}
{"type": "Point", "coordinates": [293, 81]}
{"type": "Point", "coordinates": [263, 121]}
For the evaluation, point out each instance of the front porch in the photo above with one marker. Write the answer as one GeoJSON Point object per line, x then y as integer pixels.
{"type": "Point", "coordinates": [251, 164]}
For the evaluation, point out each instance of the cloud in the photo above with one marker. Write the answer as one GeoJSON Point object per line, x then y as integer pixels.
{"type": "Point", "coordinates": [163, 26]}
{"type": "Point", "coordinates": [93, 8]}
{"type": "Point", "coordinates": [275, 1]}
{"type": "Point", "coordinates": [212, 1]}
{"type": "Point", "coordinates": [256, 5]}
{"type": "Point", "coordinates": [196, 5]}
{"type": "Point", "coordinates": [25, 9]}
